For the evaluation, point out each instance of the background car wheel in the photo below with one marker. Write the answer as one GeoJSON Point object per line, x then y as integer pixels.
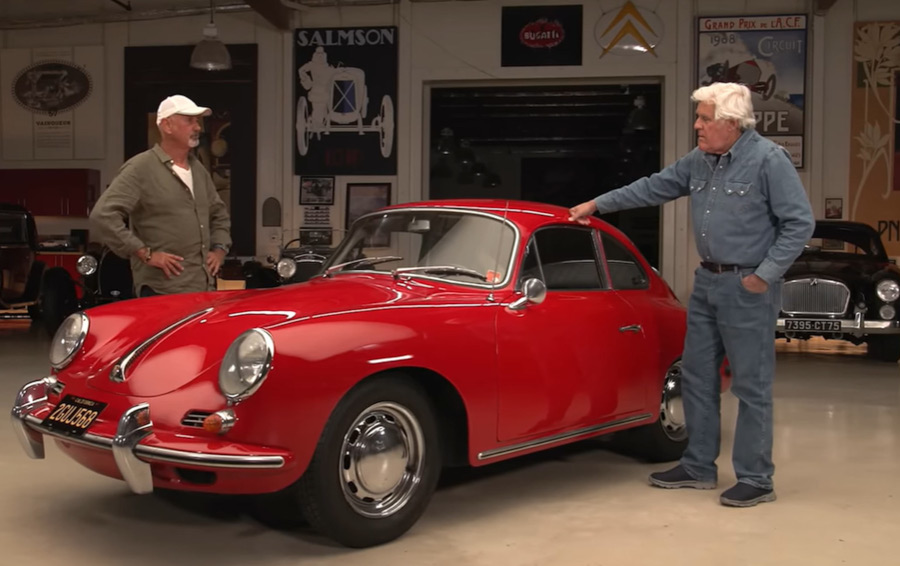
{"type": "Point", "coordinates": [376, 465]}
{"type": "Point", "coordinates": [666, 439]}
{"type": "Point", "coordinates": [58, 299]}
{"type": "Point", "coordinates": [884, 348]}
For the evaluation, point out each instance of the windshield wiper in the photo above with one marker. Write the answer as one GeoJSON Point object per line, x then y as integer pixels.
{"type": "Point", "coordinates": [361, 261]}
{"type": "Point", "coordinates": [439, 270]}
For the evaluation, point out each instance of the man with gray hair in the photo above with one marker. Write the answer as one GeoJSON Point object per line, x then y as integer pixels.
{"type": "Point", "coordinates": [751, 219]}
{"type": "Point", "coordinates": [162, 209]}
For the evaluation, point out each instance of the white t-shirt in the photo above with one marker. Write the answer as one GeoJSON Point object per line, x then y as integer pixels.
{"type": "Point", "coordinates": [185, 175]}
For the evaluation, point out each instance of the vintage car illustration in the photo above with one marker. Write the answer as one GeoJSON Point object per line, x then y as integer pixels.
{"type": "Point", "coordinates": [489, 329]}
{"type": "Point", "coordinates": [747, 73]}
{"type": "Point", "coordinates": [338, 101]}
{"type": "Point", "coordinates": [843, 286]}
{"type": "Point", "coordinates": [47, 294]}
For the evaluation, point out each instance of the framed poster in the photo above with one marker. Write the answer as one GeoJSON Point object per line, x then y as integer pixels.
{"type": "Point", "coordinates": [345, 96]}
{"type": "Point", "coordinates": [363, 198]}
{"type": "Point", "coordinates": [533, 36]}
{"type": "Point", "coordinates": [768, 55]}
{"type": "Point", "coordinates": [316, 190]}
{"type": "Point", "coordinates": [834, 208]}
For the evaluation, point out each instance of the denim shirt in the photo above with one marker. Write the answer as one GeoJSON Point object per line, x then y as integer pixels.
{"type": "Point", "coordinates": [748, 206]}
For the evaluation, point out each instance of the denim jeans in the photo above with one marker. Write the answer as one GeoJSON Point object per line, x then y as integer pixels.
{"type": "Point", "coordinates": [724, 318]}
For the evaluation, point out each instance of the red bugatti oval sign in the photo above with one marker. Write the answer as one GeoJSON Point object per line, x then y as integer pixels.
{"type": "Point", "coordinates": [542, 33]}
{"type": "Point", "coordinates": [49, 87]}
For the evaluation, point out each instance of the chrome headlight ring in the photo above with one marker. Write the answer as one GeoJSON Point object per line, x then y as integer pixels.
{"type": "Point", "coordinates": [286, 268]}
{"type": "Point", "coordinates": [246, 364]}
{"type": "Point", "coordinates": [68, 339]}
{"type": "Point", "coordinates": [87, 265]}
{"type": "Point", "coordinates": [888, 290]}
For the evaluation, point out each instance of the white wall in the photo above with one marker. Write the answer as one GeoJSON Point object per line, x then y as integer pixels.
{"type": "Point", "coordinates": [459, 42]}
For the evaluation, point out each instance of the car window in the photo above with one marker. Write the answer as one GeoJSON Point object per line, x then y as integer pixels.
{"type": "Point", "coordinates": [564, 258]}
{"type": "Point", "coordinates": [625, 271]}
{"type": "Point", "coordinates": [12, 229]}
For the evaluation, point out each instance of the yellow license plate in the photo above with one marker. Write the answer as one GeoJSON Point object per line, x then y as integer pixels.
{"type": "Point", "coordinates": [74, 415]}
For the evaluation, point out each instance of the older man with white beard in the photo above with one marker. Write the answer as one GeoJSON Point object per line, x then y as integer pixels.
{"type": "Point", "coordinates": [162, 209]}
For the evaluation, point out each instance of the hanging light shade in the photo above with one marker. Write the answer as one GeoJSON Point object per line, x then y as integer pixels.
{"type": "Point", "coordinates": [211, 54]}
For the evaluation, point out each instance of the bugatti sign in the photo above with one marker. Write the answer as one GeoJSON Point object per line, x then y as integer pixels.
{"type": "Point", "coordinates": [540, 35]}
{"type": "Point", "coordinates": [49, 87]}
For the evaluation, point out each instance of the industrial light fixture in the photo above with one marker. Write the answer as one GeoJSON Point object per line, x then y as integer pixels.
{"type": "Point", "coordinates": [211, 54]}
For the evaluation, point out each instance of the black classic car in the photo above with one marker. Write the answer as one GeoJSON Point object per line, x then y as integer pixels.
{"type": "Point", "coordinates": [105, 277]}
{"type": "Point", "coordinates": [843, 286]}
{"type": "Point", "coordinates": [299, 260]}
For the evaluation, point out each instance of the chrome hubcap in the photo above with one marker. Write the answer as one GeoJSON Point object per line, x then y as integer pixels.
{"type": "Point", "coordinates": [382, 460]}
{"type": "Point", "coordinates": [671, 409]}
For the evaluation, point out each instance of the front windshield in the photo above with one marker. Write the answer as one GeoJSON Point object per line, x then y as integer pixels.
{"type": "Point", "coordinates": [837, 239]}
{"type": "Point", "coordinates": [470, 247]}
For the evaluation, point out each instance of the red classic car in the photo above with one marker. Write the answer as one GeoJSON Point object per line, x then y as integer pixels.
{"type": "Point", "coordinates": [475, 331]}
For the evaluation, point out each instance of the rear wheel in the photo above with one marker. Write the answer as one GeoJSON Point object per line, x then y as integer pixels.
{"type": "Point", "coordinates": [375, 467]}
{"type": "Point", "coordinates": [58, 299]}
{"type": "Point", "coordinates": [666, 439]}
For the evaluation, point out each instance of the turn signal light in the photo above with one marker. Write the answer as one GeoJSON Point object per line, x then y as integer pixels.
{"type": "Point", "coordinates": [219, 422]}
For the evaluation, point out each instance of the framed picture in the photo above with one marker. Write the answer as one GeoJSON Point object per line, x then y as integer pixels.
{"type": "Point", "coordinates": [834, 208]}
{"type": "Point", "coordinates": [363, 198]}
{"type": "Point", "coordinates": [833, 245]}
{"type": "Point", "coordinates": [316, 190]}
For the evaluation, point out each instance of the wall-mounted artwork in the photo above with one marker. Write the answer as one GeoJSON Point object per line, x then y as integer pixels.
{"type": "Point", "coordinates": [768, 55]}
{"type": "Point", "coordinates": [316, 190]}
{"type": "Point", "coordinates": [541, 35]}
{"type": "Point", "coordinates": [363, 198]}
{"type": "Point", "coordinates": [345, 100]}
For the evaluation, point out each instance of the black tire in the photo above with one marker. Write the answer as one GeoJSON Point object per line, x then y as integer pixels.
{"type": "Point", "coordinates": [665, 439]}
{"type": "Point", "coordinates": [885, 348]}
{"type": "Point", "coordinates": [397, 413]}
{"type": "Point", "coordinates": [58, 299]}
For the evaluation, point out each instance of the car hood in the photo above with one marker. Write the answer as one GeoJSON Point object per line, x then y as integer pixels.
{"type": "Point", "coordinates": [847, 270]}
{"type": "Point", "coordinates": [163, 343]}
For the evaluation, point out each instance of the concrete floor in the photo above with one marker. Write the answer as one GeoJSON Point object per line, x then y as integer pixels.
{"type": "Point", "coordinates": [837, 451]}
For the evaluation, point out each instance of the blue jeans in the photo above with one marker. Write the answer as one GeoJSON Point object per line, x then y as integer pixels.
{"type": "Point", "coordinates": [724, 318]}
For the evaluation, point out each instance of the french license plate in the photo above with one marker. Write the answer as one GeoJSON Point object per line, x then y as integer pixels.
{"type": "Point", "coordinates": [74, 415]}
{"type": "Point", "coordinates": [807, 325]}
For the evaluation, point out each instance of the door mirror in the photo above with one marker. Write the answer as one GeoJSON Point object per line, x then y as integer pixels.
{"type": "Point", "coordinates": [533, 292]}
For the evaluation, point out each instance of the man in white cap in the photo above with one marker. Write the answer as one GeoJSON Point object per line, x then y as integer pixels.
{"type": "Point", "coordinates": [162, 209]}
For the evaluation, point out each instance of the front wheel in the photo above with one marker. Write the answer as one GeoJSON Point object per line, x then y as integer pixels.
{"type": "Point", "coordinates": [376, 465]}
{"type": "Point", "coordinates": [885, 348]}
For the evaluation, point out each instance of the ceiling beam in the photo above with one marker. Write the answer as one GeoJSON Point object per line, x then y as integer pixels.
{"type": "Point", "coordinates": [822, 6]}
{"type": "Point", "coordinates": [274, 11]}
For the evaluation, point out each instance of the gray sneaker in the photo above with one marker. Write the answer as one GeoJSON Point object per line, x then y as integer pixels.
{"type": "Point", "coordinates": [678, 477]}
{"type": "Point", "coordinates": [746, 495]}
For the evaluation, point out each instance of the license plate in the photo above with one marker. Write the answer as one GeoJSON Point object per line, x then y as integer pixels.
{"type": "Point", "coordinates": [807, 325]}
{"type": "Point", "coordinates": [74, 415]}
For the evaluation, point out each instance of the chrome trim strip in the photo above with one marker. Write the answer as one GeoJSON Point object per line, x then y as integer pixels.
{"type": "Point", "coordinates": [507, 450]}
{"type": "Point", "coordinates": [851, 326]}
{"type": "Point", "coordinates": [117, 373]}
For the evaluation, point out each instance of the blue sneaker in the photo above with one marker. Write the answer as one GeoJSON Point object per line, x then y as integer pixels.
{"type": "Point", "coordinates": [746, 495]}
{"type": "Point", "coordinates": [678, 477]}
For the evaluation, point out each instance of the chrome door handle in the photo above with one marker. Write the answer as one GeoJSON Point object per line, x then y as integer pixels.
{"type": "Point", "coordinates": [630, 328]}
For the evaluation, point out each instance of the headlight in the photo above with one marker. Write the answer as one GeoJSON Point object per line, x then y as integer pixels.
{"type": "Point", "coordinates": [68, 340]}
{"type": "Point", "coordinates": [286, 268]}
{"type": "Point", "coordinates": [888, 290]}
{"type": "Point", "coordinates": [87, 265]}
{"type": "Point", "coordinates": [246, 364]}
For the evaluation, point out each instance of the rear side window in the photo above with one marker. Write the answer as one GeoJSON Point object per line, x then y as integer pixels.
{"type": "Point", "coordinates": [563, 258]}
{"type": "Point", "coordinates": [625, 271]}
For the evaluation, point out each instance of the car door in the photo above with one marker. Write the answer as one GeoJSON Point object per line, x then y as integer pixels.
{"type": "Point", "coordinates": [570, 361]}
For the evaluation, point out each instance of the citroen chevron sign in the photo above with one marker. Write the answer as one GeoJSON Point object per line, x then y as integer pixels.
{"type": "Point", "coordinates": [629, 31]}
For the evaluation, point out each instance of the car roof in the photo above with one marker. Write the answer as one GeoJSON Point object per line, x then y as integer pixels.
{"type": "Point", "coordinates": [526, 213]}
{"type": "Point", "coordinates": [9, 207]}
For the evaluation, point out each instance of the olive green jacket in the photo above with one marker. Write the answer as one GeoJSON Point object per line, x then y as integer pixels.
{"type": "Point", "coordinates": [147, 204]}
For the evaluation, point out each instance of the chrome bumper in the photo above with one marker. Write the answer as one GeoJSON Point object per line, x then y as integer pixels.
{"type": "Point", "coordinates": [132, 458]}
{"type": "Point", "coordinates": [856, 327]}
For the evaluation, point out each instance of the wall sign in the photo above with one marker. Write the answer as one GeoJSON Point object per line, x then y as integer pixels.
{"type": "Point", "coordinates": [540, 36]}
{"type": "Point", "coordinates": [768, 55]}
{"type": "Point", "coordinates": [345, 99]}
{"type": "Point", "coordinates": [629, 31]}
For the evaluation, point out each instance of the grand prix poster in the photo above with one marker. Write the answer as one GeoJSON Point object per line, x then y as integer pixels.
{"type": "Point", "coordinates": [768, 55]}
{"type": "Point", "coordinates": [345, 99]}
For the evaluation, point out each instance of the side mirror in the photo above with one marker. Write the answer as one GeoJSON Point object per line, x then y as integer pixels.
{"type": "Point", "coordinates": [533, 292]}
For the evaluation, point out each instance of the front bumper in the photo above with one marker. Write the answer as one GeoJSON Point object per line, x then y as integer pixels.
{"type": "Point", "coordinates": [856, 326]}
{"type": "Point", "coordinates": [131, 446]}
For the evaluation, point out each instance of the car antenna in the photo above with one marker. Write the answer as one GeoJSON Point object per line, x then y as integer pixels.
{"type": "Point", "coordinates": [497, 255]}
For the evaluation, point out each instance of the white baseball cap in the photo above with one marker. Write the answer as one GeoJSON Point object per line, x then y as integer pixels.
{"type": "Point", "coordinates": [178, 104]}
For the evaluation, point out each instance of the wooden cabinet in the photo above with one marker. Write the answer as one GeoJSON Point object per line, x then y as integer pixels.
{"type": "Point", "coordinates": [51, 192]}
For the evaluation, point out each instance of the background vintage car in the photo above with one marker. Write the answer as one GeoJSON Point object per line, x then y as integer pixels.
{"type": "Point", "coordinates": [843, 286]}
{"type": "Point", "coordinates": [105, 277]}
{"type": "Point", "coordinates": [507, 329]}
{"type": "Point", "coordinates": [48, 294]}
{"type": "Point", "coordinates": [298, 260]}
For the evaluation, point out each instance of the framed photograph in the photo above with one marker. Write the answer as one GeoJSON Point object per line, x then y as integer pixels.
{"type": "Point", "coordinates": [316, 190]}
{"type": "Point", "coordinates": [833, 245]}
{"type": "Point", "coordinates": [834, 208]}
{"type": "Point", "coordinates": [363, 198]}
